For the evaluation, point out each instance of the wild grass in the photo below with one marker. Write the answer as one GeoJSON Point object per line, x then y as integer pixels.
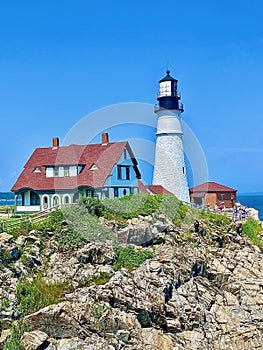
{"type": "Point", "coordinates": [130, 257]}
{"type": "Point", "coordinates": [251, 228]}
{"type": "Point", "coordinates": [13, 341]}
{"type": "Point", "coordinates": [32, 296]}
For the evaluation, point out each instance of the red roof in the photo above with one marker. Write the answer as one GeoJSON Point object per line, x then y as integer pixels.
{"type": "Point", "coordinates": [153, 189]}
{"type": "Point", "coordinates": [142, 187]}
{"type": "Point", "coordinates": [103, 156]}
{"type": "Point", "coordinates": [158, 189]}
{"type": "Point", "coordinates": [211, 187]}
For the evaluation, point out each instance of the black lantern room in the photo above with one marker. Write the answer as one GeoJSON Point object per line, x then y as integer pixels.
{"type": "Point", "coordinates": [169, 96]}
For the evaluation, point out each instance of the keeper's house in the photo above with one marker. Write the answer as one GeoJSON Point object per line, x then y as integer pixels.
{"type": "Point", "coordinates": [59, 175]}
{"type": "Point", "coordinates": [210, 194]}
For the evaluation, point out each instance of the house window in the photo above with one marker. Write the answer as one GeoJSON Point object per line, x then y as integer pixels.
{"type": "Point", "coordinates": [56, 171]}
{"type": "Point", "coordinates": [89, 193]}
{"type": "Point", "coordinates": [61, 171]}
{"type": "Point", "coordinates": [66, 171]}
{"type": "Point", "coordinates": [123, 172]}
{"type": "Point", "coordinates": [49, 171]}
{"type": "Point", "coordinates": [222, 197]}
{"type": "Point", "coordinates": [73, 170]}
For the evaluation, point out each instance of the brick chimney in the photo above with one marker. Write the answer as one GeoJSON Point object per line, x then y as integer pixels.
{"type": "Point", "coordinates": [105, 139]}
{"type": "Point", "coordinates": [55, 142]}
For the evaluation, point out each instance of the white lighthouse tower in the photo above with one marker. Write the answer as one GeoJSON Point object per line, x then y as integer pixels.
{"type": "Point", "coordinates": [169, 166]}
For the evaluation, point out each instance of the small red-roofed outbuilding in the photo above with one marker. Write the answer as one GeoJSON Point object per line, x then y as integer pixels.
{"type": "Point", "coordinates": [212, 194]}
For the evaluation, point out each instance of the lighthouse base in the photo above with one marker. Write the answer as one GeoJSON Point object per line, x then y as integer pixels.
{"type": "Point", "coordinates": [169, 166]}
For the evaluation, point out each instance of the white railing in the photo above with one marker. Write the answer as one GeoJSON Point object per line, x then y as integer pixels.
{"type": "Point", "coordinates": [27, 208]}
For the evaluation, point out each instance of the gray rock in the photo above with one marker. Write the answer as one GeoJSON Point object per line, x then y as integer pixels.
{"type": "Point", "coordinates": [33, 340]}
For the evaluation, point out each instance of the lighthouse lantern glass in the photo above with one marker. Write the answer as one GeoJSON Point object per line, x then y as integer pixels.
{"type": "Point", "coordinates": [165, 88]}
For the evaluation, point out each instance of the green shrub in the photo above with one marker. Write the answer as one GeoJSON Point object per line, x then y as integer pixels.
{"type": "Point", "coordinates": [82, 228]}
{"type": "Point", "coordinates": [130, 257]}
{"type": "Point", "coordinates": [252, 229]}
{"type": "Point", "coordinates": [32, 296]}
{"type": "Point", "coordinates": [71, 239]}
{"type": "Point", "coordinates": [20, 229]}
{"type": "Point", "coordinates": [145, 204]}
{"type": "Point", "coordinates": [5, 259]}
{"type": "Point", "coordinates": [5, 304]}
{"type": "Point", "coordinates": [169, 205]}
{"type": "Point", "coordinates": [217, 219]}
{"type": "Point", "coordinates": [131, 206]}
{"type": "Point", "coordinates": [93, 205]}
{"type": "Point", "coordinates": [181, 213]}
{"type": "Point", "coordinates": [52, 223]}
{"type": "Point", "coordinates": [13, 341]}
{"type": "Point", "coordinates": [6, 209]}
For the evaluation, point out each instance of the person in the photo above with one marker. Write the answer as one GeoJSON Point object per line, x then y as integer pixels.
{"type": "Point", "coordinates": [240, 214]}
{"type": "Point", "coordinates": [243, 213]}
{"type": "Point", "coordinates": [235, 211]}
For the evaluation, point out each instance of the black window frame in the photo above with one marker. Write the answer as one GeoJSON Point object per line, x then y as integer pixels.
{"type": "Point", "coordinates": [127, 172]}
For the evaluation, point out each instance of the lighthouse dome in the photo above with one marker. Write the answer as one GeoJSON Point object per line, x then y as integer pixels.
{"type": "Point", "coordinates": [168, 77]}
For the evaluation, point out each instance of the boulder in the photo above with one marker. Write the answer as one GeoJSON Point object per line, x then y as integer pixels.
{"type": "Point", "coordinates": [33, 340]}
{"type": "Point", "coordinates": [5, 238]}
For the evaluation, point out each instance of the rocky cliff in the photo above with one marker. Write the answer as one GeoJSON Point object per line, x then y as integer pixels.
{"type": "Point", "coordinates": [197, 286]}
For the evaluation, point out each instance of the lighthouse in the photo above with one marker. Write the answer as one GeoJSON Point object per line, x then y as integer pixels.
{"type": "Point", "coordinates": [169, 165]}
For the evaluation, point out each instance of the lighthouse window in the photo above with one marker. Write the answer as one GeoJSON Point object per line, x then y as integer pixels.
{"type": "Point", "coordinates": [183, 170]}
{"type": "Point", "coordinates": [123, 172]}
{"type": "Point", "coordinates": [165, 88]}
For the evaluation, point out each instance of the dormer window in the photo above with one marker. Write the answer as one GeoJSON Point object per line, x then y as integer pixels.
{"type": "Point", "coordinates": [64, 170]}
{"type": "Point", "coordinates": [93, 167]}
{"type": "Point", "coordinates": [49, 171]}
{"type": "Point", "coordinates": [80, 168]}
{"type": "Point", "coordinates": [37, 170]}
{"type": "Point", "coordinates": [73, 170]}
{"type": "Point", "coordinates": [123, 172]}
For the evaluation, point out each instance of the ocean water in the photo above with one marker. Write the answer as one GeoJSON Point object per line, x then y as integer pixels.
{"type": "Point", "coordinates": [252, 200]}
{"type": "Point", "coordinates": [7, 198]}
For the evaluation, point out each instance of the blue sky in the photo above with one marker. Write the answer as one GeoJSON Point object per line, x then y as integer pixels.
{"type": "Point", "coordinates": [61, 60]}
